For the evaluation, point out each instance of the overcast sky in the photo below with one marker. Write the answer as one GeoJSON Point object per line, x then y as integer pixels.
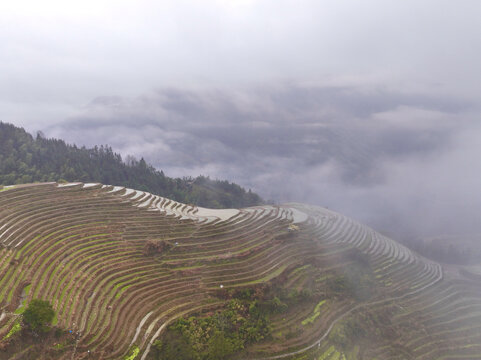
{"type": "Point", "coordinates": [369, 107]}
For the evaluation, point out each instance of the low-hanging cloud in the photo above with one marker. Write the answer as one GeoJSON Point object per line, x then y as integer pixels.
{"type": "Point", "coordinates": [402, 162]}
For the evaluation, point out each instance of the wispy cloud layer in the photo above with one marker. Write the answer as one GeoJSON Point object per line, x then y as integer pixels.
{"type": "Point", "coordinates": [383, 157]}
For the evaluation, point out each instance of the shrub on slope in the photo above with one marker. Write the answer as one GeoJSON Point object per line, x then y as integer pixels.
{"type": "Point", "coordinates": [38, 315]}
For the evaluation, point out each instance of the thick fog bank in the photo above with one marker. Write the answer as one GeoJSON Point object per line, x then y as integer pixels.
{"type": "Point", "coordinates": [405, 163]}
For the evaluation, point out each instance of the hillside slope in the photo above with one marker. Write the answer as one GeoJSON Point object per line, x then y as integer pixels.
{"type": "Point", "coordinates": [137, 276]}
{"type": "Point", "coordinates": [24, 159]}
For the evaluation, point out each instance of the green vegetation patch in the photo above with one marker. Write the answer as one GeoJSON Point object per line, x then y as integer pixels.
{"type": "Point", "coordinates": [39, 315]}
{"type": "Point", "coordinates": [315, 315]}
{"type": "Point", "coordinates": [133, 353]}
{"type": "Point", "coordinates": [15, 329]}
{"type": "Point", "coordinates": [346, 333]}
{"type": "Point", "coordinates": [214, 337]}
{"type": "Point", "coordinates": [327, 354]}
{"type": "Point", "coordinates": [299, 269]}
{"type": "Point", "coordinates": [122, 290]}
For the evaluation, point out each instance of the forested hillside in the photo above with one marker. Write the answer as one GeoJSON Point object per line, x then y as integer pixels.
{"type": "Point", "coordinates": [24, 159]}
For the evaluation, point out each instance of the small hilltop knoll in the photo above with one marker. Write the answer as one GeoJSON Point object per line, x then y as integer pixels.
{"type": "Point", "coordinates": [132, 275]}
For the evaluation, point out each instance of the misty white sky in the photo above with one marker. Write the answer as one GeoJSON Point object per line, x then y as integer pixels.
{"type": "Point", "coordinates": [369, 107]}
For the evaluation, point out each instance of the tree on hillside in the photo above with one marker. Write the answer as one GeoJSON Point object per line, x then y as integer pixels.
{"type": "Point", "coordinates": [39, 315]}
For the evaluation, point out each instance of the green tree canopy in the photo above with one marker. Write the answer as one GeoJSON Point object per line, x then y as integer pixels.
{"type": "Point", "coordinates": [39, 314]}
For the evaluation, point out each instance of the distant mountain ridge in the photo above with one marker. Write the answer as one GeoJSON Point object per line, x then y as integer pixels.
{"type": "Point", "coordinates": [24, 159]}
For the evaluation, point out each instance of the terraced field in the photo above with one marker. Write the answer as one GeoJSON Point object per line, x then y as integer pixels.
{"type": "Point", "coordinates": [120, 265]}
